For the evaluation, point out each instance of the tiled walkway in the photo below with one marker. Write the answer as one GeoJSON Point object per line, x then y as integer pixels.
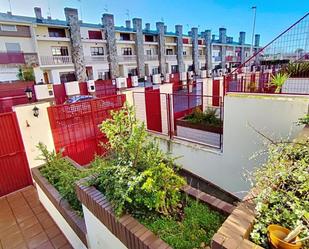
{"type": "Point", "coordinates": [24, 223]}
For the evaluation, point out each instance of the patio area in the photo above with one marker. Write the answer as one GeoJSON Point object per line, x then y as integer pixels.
{"type": "Point", "coordinates": [25, 224]}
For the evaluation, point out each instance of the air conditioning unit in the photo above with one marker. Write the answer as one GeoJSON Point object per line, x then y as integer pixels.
{"type": "Point", "coordinates": [91, 86]}
{"type": "Point", "coordinates": [134, 80]}
{"type": "Point", "coordinates": [156, 79]}
{"type": "Point", "coordinates": [121, 83]}
{"type": "Point", "coordinates": [72, 88]}
{"type": "Point", "coordinates": [183, 76]}
{"type": "Point", "coordinates": [44, 91]}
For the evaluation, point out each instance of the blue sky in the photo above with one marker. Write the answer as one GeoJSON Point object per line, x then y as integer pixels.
{"type": "Point", "coordinates": [273, 16]}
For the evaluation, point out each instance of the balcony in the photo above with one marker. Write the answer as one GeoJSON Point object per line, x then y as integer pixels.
{"type": "Point", "coordinates": [55, 60]}
{"type": "Point", "coordinates": [232, 58]}
{"type": "Point", "coordinates": [96, 59]}
{"type": "Point", "coordinates": [187, 57]}
{"type": "Point", "coordinates": [12, 58]}
{"type": "Point", "coordinates": [126, 58]}
{"type": "Point", "coordinates": [151, 57]}
{"type": "Point", "coordinates": [171, 57]}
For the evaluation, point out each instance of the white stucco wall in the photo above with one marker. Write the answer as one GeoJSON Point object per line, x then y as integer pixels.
{"type": "Point", "coordinates": [60, 221]}
{"type": "Point", "coordinates": [37, 130]}
{"type": "Point", "coordinates": [99, 236]}
{"type": "Point", "coordinates": [275, 116]}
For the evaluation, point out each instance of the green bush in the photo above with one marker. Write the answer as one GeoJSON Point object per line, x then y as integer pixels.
{"type": "Point", "coordinates": [209, 117]}
{"type": "Point", "coordinates": [283, 184]}
{"type": "Point", "coordinates": [297, 69]}
{"type": "Point", "coordinates": [62, 175]}
{"type": "Point", "coordinates": [278, 80]}
{"type": "Point", "coordinates": [304, 120]}
{"type": "Point", "coordinates": [136, 176]}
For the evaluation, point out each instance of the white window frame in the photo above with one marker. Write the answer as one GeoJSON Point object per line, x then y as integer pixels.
{"type": "Point", "coordinates": [2, 28]}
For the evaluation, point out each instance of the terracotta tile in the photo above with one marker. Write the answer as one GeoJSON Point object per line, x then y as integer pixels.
{"type": "Point", "coordinates": [42, 216]}
{"type": "Point", "coordinates": [46, 245]}
{"type": "Point", "coordinates": [9, 230]}
{"type": "Point", "coordinates": [14, 197]}
{"type": "Point", "coordinates": [32, 231]}
{"type": "Point", "coordinates": [12, 240]}
{"type": "Point", "coordinates": [67, 246]}
{"type": "Point", "coordinates": [38, 209]}
{"type": "Point", "coordinates": [48, 222]}
{"type": "Point", "coordinates": [1, 245]}
{"type": "Point", "coordinates": [21, 246]}
{"type": "Point", "coordinates": [52, 231]}
{"type": "Point", "coordinates": [6, 223]}
{"type": "Point", "coordinates": [29, 222]}
{"type": "Point", "coordinates": [59, 241]}
{"type": "Point", "coordinates": [37, 240]}
{"type": "Point", "coordinates": [23, 215]}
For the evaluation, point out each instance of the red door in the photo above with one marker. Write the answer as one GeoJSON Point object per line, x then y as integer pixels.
{"type": "Point", "coordinates": [216, 92]}
{"type": "Point", "coordinates": [153, 110]}
{"type": "Point", "coordinates": [14, 168]}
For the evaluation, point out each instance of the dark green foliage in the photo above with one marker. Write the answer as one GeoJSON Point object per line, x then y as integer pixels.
{"type": "Point", "coordinates": [304, 120]}
{"type": "Point", "coordinates": [62, 175]}
{"type": "Point", "coordinates": [300, 69]}
{"type": "Point", "coordinates": [209, 117]}
{"type": "Point", "coordinates": [25, 73]}
{"type": "Point", "coordinates": [195, 230]}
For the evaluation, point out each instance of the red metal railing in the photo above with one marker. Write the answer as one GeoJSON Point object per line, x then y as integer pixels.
{"type": "Point", "coordinates": [75, 126]}
{"type": "Point", "coordinates": [105, 88]}
{"type": "Point", "coordinates": [12, 58]}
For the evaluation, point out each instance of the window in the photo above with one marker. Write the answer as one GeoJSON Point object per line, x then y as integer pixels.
{"type": "Point", "coordinates": [184, 52]}
{"type": "Point", "coordinates": [200, 42]}
{"type": "Point", "coordinates": [94, 34]}
{"type": "Point", "coordinates": [132, 72]}
{"type": "Point", "coordinates": [148, 52]}
{"type": "Point", "coordinates": [155, 70]}
{"type": "Point", "coordinates": [6, 27]}
{"type": "Point", "coordinates": [125, 37]}
{"type": "Point", "coordinates": [54, 32]}
{"type": "Point", "coordinates": [149, 38]}
{"type": "Point", "coordinates": [185, 41]}
{"type": "Point", "coordinates": [126, 51]}
{"type": "Point", "coordinates": [12, 47]}
{"type": "Point", "coordinates": [169, 51]}
{"type": "Point", "coordinates": [67, 77]}
{"type": "Point", "coordinates": [174, 68]}
{"type": "Point", "coordinates": [200, 52]}
{"type": "Point", "coordinates": [103, 75]}
{"type": "Point", "coordinates": [97, 51]}
{"type": "Point", "coordinates": [60, 51]}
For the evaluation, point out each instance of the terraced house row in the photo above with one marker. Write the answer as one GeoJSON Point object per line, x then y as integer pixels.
{"type": "Point", "coordinates": [69, 50]}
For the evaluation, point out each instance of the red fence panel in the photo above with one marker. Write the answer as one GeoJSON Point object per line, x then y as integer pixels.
{"type": "Point", "coordinates": [60, 94]}
{"type": "Point", "coordinates": [216, 92]}
{"type": "Point", "coordinates": [14, 168]}
{"type": "Point", "coordinates": [83, 88]}
{"type": "Point", "coordinates": [75, 126]}
{"type": "Point", "coordinates": [105, 88]}
{"type": "Point", "coordinates": [153, 110]}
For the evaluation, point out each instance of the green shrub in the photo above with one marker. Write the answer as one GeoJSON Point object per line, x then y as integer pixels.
{"type": "Point", "coordinates": [136, 176]}
{"type": "Point", "coordinates": [209, 117]}
{"type": "Point", "coordinates": [297, 69]}
{"type": "Point", "coordinates": [62, 175]}
{"type": "Point", "coordinates": [304, 120]}
{"type": "Point", "coordinates": [278, 80]}
{"type": "Point", "coordinates": [283, 183]}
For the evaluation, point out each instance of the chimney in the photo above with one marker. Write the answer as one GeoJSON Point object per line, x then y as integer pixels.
{"type": "Point", "coordinates": [165, 29]}
{"type": "Point", "coordinates": [190, 33]}
{"type": "Point", "coordinates": [49, 18]}
{"type": "Point", "coordinates": [128, 24]}
{"type": "Point", "coordinates": [242, 37]}
{"type": "Point", "coordinates": [38, 13]}
{"type": "Point", "coordinates": [257, 40]}
{"type": "Point", "coordinates": [9, 13]}
{"type": "Point", "coordinates": [222, 35]}
{"type": "Point", "coordinates": [213, 37]}
{"type": "Point", "coordinates": [147, 26]}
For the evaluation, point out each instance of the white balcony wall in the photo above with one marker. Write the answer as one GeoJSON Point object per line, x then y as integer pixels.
{"type": "Point", "coordinates": [26, 44]}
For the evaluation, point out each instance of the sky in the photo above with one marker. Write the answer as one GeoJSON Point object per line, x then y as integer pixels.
{"type": "Point", "coordinates": [273, 16]}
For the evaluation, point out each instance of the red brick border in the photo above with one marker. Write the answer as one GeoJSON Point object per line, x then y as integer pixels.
{"type": "Point", "coordinates": [234, 232]}
{"type": "Point", "coordinates": [127, 229]}
{"type": "Point", "coordinates": [76, 222]}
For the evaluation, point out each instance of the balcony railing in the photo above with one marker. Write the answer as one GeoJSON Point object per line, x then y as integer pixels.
{"type": "Point", "coordinates": [171, 57]}
{"type": "Point", "coordinates": [96, 59]}
{"type": "Point", "coordinates": [151, 57]}
{"type": "Point", "coordinates": [126, 58]}
{"type": "Point", "coordinates": [56, 60]}
{"type": "Point", "coordinates": [187, 57]}
{"type": "Point", "coordinates": [232, 58]}
{"type": "Point", "coordinates": [12, 58]}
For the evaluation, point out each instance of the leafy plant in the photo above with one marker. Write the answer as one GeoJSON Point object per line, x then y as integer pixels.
{"type": "Point", "coordinates": [26, 74]}
{"type": "Point", "coordinates": [278, 80]}
{"type": "Point", "coordinates": [136, 176]}
{"type": "Point", "coordinates": [297, 69]}
{"type": "Point", "coordinates": [304, 120]}
{"type": "Point", "coordinates": [283, 184]}
{"type": "Point", "coordinates": [209, 117]}
{"type": "Point", "coordinates": [62, 175]}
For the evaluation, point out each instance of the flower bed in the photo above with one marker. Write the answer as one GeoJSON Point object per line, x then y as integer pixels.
{"type": "Point", "coordinates": [71, 224]}
{"type": "Point", "coordinates": [199, 126]}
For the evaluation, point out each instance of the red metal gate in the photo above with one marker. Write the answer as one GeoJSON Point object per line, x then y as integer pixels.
{"type": "Point", "coordinates": [153, 110]}
{"type": "Point", "coordinates": [216, 93]}
{"type": "Point", "coordinates": [75, 126]}
{"type": "Point", "coordinates": [14, 168]}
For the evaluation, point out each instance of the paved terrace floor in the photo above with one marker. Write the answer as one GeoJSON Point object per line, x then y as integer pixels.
{"type": "Point", "coordinates": [25, 224]}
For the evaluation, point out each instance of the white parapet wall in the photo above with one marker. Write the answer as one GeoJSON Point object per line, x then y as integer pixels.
{"type": "Point", "coordinates": [296, 85]}
{"type": "Point", "coordinates": [273, 115]}
{"type": "Point", "coordinates": [164, 90]}
{"type": "Point", "coordinates": [34, 130]}
{"type": "Point", "coordinates": [72, 88]}
{"type": "Point", "coordinates": [44, 91]}
{"type": "Point", "coordinates": [99, 236]}
{"type": "Point", "coordinates": [60, 221]}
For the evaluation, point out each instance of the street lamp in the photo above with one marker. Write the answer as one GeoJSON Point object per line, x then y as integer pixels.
{"type": "Point", "coordinates": [35, 111]}
{"type": "Point", "coordinates": [29, 93]}
{"type": "Point", "coordinates": [253, 28]}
